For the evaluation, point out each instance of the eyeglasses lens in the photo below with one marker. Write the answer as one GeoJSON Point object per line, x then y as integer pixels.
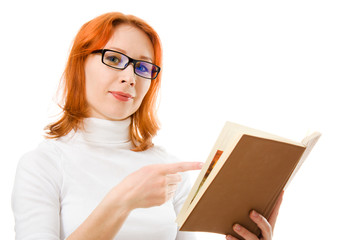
{"type": "Point", "coordinates": [146, 70]}
{"type": "Point", "coordinates": [115, 59]}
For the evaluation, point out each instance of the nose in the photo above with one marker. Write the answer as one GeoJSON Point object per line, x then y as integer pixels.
{"type": "Point", "coordinates": [127, 75]}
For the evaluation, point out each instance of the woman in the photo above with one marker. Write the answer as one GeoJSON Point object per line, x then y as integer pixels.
{"type": "Point", "coordinates": [98, 175]}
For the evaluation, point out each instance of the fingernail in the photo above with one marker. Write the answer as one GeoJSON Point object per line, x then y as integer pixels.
{"type": "Point", "coordinates": [254, 213]}
{"type": "Point", "coordinates": [228, 237]}
{"type": "Point", "coordinates": [201, 164]}
{"type": "Point", "coordinates": [237, 227]}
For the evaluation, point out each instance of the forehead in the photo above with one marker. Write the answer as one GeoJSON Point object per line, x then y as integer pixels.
{"type": "Point", "coordinates": [132, 41]}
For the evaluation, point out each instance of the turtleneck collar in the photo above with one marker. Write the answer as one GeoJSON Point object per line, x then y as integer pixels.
{"type": "Point", "coordinates": [104, 131]}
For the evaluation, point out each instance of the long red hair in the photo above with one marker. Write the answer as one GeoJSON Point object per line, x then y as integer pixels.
{"type": "Point", "coordinates": [94, 35]}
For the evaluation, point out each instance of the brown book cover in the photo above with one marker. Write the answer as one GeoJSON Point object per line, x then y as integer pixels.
{"type": "Point", "coordinates": [247, 169]}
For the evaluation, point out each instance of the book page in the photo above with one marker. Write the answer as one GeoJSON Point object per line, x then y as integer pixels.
{"type": "Point", "coordinates": [211, 167]}
{"type": "Point", "coordinates": [261, 134]}
{"type": "Point", "coordinates": [309, 142]}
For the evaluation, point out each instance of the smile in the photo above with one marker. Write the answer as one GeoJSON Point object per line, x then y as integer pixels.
{"type": "Point", "coordinates": [121, 96]}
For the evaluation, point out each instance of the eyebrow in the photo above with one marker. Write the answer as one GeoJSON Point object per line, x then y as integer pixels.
{"type": "Point", "coordinates": [145, 58]}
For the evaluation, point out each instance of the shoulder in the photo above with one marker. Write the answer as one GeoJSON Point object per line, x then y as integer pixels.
{"type": "Point", "coordinates": [38, 169]}
{"type": "Point", "coordinates": [46, 155]}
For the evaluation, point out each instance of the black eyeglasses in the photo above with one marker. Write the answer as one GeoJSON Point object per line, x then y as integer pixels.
{"type": "Point", "coordinates": [120, 61]}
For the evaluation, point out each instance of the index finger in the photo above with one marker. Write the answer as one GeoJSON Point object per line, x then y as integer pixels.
{"type": "Point", "coordinates": [182, 167]}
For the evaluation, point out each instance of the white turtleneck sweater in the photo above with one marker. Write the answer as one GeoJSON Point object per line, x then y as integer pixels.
{"type": "Point", "coordinates": [62, 181]}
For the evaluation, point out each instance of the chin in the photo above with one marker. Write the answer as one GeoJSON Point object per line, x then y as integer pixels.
{"type": "Point", "coordinates": [117, 118]}
{"type": "Point", "coordinates": [110, 117]}
{"type": "Point", "coordinates": [114, 114]}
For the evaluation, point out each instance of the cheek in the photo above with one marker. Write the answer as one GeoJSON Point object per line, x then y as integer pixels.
{"type": "Point", "coordinates": [142, 89]}
{"type": "Point", "coordinates": [91, 89]}
{"type": "Point", "coordinates": [90, 79]}
{"type": "Point", "coordinates": [95, 84]}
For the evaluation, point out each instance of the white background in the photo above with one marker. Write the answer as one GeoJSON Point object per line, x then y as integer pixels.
{"type": "Point", "coordinates": [286, 67]}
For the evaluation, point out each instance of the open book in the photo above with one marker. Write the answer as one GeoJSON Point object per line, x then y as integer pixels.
{"type": "Point", "coordinates": [247, 169]}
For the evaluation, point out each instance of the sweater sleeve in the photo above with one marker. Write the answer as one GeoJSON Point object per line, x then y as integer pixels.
{"type": "Point", "coordinates": [179, 199]}
{"type": "Point", "coordinates": [36, 196]}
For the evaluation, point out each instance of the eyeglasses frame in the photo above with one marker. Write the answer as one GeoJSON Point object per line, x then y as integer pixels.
{"type": "Point", "coordinates": [131, 60]}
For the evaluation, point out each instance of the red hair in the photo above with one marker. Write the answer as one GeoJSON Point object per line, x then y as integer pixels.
{"type": "Point", "coordinates": [94, 35]}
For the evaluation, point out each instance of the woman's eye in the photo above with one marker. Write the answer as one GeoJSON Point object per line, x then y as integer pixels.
{"type": "Point", "coordinates": [113, 59]}
{"type": "Point", "coordinates": [142, 68]}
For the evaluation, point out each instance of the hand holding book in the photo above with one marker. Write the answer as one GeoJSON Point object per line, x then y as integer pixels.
{"type": "Point", "coordinates": [266, 226]}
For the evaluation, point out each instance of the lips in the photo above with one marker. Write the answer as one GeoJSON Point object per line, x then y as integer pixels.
{"type": "Point", "coordinates": [121, 96]}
